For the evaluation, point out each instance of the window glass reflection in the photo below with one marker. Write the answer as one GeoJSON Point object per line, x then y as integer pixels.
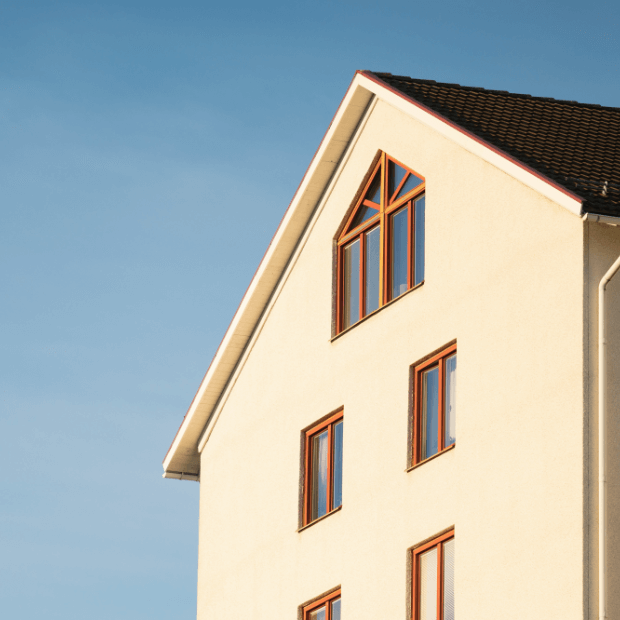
{"type": "Point", "coordinates": [337, 464]}
{"type": "Point", "coordinates": [336, 610]}
{"type": "Point", "coordinates": [351, 284]}
{"type": "Point", "coordinates": [395, 175]}
{"type": "Point", "coordinates": [430, 412]}
{"type": "Point", "coordinates": [373, 244]}
{"type": "Point", "coordinates": [428, 585]}
{"type": "Point", "coordinates": [419, 240]}
{"type": "Point", "coordinates": [365, 213]}
{"type": "Point", "coordinates": [448, 580]}
{"type": "Point", "coordinates": [317, 614]}
{"type": "Point", "coordinates": [319, 476]}
{"type": "Point", "coordinates": [399, 253]}
{"type": "Point", "coordinates": [450, 401]}
{"type": "Point", "coordinates": [374, 191]}
{"type": "Point", "coordinates": [411, 183]}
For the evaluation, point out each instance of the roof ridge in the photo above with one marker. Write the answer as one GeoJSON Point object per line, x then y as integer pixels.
{"type": "Point", "coordinates": [570, 102]}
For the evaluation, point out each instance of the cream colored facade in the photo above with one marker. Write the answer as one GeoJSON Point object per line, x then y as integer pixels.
{"type": "Point", "coordinates": [512, 275]}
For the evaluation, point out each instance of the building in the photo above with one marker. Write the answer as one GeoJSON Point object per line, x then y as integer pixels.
{"type": "Point", "coordinates": [434, 221]}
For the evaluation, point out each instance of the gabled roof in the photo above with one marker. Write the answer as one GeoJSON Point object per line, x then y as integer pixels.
{"type": "Point", "coordinates": [566, 151]}
{"type": "Point", "coordinates": [575, 144]}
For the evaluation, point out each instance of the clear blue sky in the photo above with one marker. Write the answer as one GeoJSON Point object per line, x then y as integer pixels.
{"type": "Point", "coordinates": [147, 153]}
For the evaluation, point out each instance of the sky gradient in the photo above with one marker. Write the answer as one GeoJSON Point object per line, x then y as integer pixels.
{"type": "Point", "coordinates": [148, 152]}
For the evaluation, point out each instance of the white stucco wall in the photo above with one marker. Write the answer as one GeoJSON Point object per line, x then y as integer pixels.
{"type": "Point", "coordinates": [602, 245]}
{"type": "Point", "coordinates": [504, 276]}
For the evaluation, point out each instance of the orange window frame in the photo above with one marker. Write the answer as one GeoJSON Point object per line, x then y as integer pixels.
{"type": "Point", "coordinates": [388, 207]}
{"type": "Point", "coordinates": [436, 360]}
{"type": "Point", "coordinates": [309, 434]}
{"type": "Point", "coordinates": [325, 601]}
{"type": "Point", "coordinates": [416, 553]}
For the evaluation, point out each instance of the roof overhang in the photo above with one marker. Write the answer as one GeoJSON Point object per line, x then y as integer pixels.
{"type": "Point", "coordinates": [183, 458]}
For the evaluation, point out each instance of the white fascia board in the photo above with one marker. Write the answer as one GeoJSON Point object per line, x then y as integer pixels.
{"type": "Point", "coordinates": [179, 475]}
{"type": "Point", "coordinates": [486, 151]}
{"type": "Point", "coordinates": [212, 421]}
{"type": "Point", "coordinates": [610, 220]}
{"type": "Point", "coordinates": [183, 453]}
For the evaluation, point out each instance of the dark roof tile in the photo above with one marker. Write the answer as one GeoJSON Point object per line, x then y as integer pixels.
{"type": "Point", "coordinates": [577, 145]}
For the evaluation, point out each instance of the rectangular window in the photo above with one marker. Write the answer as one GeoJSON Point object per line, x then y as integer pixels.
{"type": "Point", "coordinates": [433, 579]}
{"type": "Point", "coordinates": [434, 410]}
{"type": "Point", "coordinates": [325, 608]}
{"type": "Point", "coordinates": [323, 467]}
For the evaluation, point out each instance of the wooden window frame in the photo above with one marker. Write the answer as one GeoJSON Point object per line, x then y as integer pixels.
{"type": "Point", "coordinates": [383, 219]}
{"type": "Point", "coordinates": [327, 423]}
{"type": "Point", "coordinates": [416, 552]}
{"type": "Point", "coordinates": [324, 599]}
{"type": "Point", "coordinates": [437, 359]}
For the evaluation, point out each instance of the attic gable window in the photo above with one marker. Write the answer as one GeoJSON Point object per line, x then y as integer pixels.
{"type": "Point", "coordinates": [381, 246]}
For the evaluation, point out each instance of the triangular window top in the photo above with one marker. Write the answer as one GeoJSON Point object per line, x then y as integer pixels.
{"type": "Point", "coordinates": [374, 191]}
{"type": "Point", "coordinates": [400, 181]}
{"type": "Point", "coordinates": [362, 214]}
{"type": "Point", "coordinates": [369, 205]}
{"type": "Point", "coordinates": [390, 185]}
{"type": "Point", "coordinates": [381, 243]}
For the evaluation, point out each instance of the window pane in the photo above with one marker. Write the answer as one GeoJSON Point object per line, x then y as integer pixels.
{"type": "Point", "coordinates": [430, 411]}
{"type": "Point", "coordinates": [372, 269]}
{"type": "Point", "coordinates": [395, 175]}
{"type": "Point", "coordinates": [364, 213]}
{"type": "Point", "coordinates": [319, 476]}
{"type": "Point", "coordinates": [317, 614]}
{"type": "Point", "coordinates": [337, 465]}
{"type": "Point", "coordinates": [419, 240]}
{"type": "Point", "coordinates": [448, 580]}
{"type": "Point", "coordinates": [411, 183]}
{"type": "Point", "coordinates": [399, 253]}
{"type": "Point", "coordinates": [374, 191]}
{"type": "Point", "coordinates": [450, 401]}
{"type": "Point", "coordinates": [336, 610]}
{"type": "Point", "coordinates": [428, 585]}
{"type": "Point", "coordinates": [351, 284]}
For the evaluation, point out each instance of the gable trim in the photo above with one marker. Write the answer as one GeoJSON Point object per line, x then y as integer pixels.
{"type": "Point", "coordinates": [315, 186]}
{"type": "Point", "coordinates": [276, 293]}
